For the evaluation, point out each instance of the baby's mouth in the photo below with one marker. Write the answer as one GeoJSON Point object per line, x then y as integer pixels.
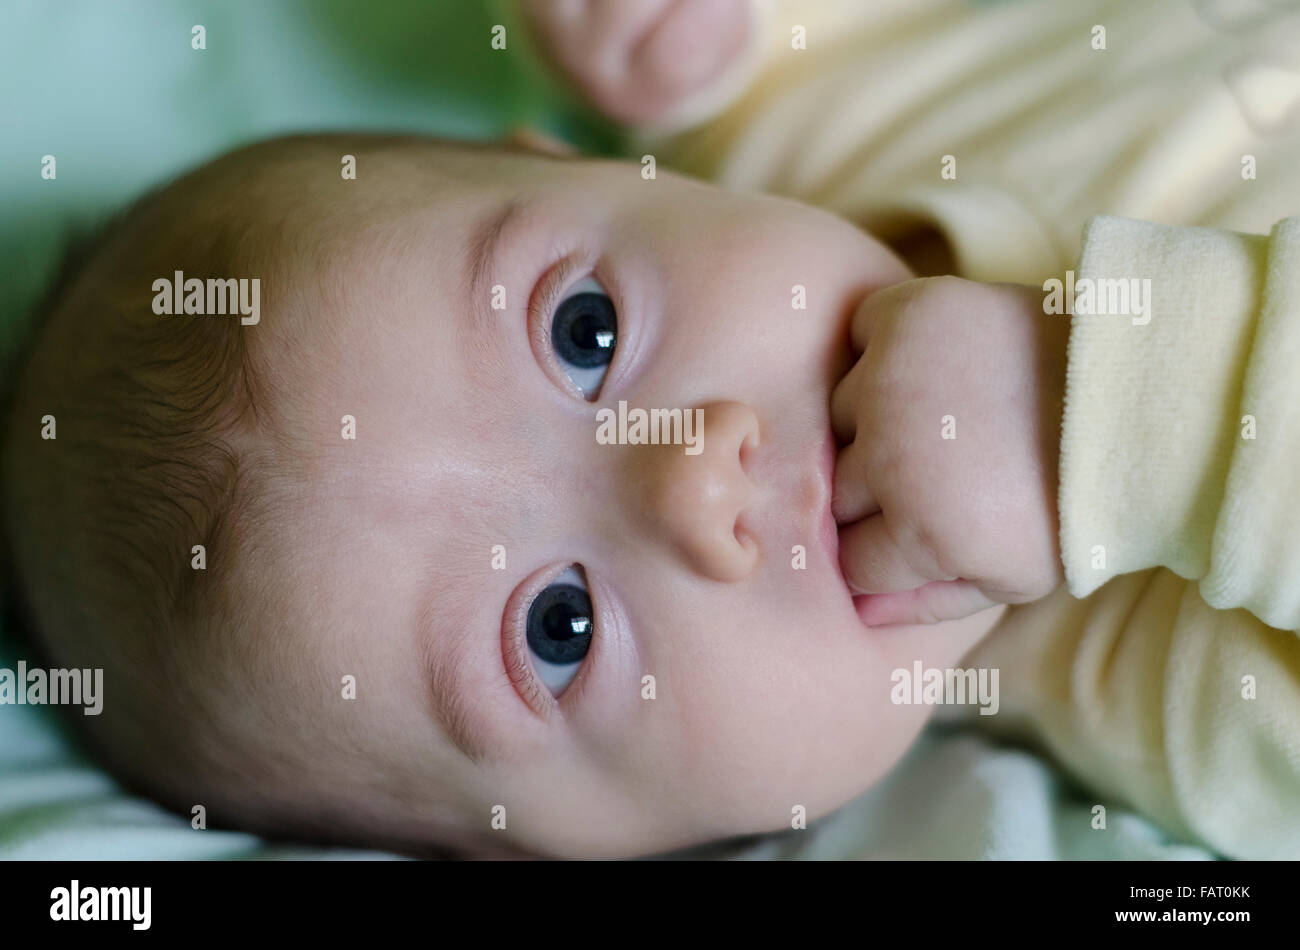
{"type": "Point", "coordinates": [829, 529]}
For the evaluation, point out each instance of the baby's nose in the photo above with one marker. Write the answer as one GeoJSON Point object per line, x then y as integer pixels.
{"type": "Point", "coordinates": [690, 497]}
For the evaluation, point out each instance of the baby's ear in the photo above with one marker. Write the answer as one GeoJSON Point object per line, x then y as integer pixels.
{"type": "Point", "coordinates": [535, 140]}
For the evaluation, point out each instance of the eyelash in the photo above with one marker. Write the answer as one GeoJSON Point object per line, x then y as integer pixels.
{"type": "Point", "coordinates": [542, 306]}
{"type": "Point", "coordinates": [514, 646]}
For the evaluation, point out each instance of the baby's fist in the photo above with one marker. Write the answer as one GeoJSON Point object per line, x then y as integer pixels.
{"type": "Point", "coordinates": [635, 60]}
{"type": "Point", "coordinates": [946, 490]}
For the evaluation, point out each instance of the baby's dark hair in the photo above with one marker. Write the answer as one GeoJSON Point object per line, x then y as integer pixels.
{"type": "Point", "coordinates": [121, 454]}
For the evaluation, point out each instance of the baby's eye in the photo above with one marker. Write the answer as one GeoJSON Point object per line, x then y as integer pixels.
{"type": "Point", "coordinates": [584, 331]}
{"type": "Point", "coordinates": [560, 625]}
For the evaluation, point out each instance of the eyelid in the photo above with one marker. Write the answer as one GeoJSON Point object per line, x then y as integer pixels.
{"type": "Point", "coordinates": [514, 648]}
{"type": "Point", "coordinates": [542, 304]}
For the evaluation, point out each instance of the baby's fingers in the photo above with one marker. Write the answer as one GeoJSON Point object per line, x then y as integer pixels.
{"type": "Point", "coordinates": [930, 603]}
{"type": "Point", "coordinates": [885, 303]}
{"type": "Point", "coordinates": [875, 563]}
{"type": "Point", "coordinates": [851, 498]}
{"type": "Point", "coordinates": [845, 399]}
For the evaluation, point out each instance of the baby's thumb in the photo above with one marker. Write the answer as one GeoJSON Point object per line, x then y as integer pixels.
{"type": "Point", "coordinates": [896, 589]}
{"type": "Point", "coordinates": [874, 563]}
{"type": "Point", "coordinates": [930, 603]}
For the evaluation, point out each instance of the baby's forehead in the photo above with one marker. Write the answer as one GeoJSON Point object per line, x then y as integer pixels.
{"type": "Point", "coordinates": [380, 368]}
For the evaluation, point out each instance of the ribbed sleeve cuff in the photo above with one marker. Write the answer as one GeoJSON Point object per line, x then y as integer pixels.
{"type": "Point", "coordinates": [1153, 394]}
{"type": "Point", "coordinates": [1255, 561]}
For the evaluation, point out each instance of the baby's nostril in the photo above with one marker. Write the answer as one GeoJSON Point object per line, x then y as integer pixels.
{"type": "Point", "coordinates": [741, 534]}
{"type": "Point", "coordinates": [748, 445]}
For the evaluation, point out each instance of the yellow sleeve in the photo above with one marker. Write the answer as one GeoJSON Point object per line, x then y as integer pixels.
{"type": "Point", "coordinates": [1180, 441]}
{"type": "Point", "coordinates": [1175, 685]}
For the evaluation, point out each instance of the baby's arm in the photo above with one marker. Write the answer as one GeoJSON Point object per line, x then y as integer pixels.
{"type": "Point", "coordinates": [656, 63]}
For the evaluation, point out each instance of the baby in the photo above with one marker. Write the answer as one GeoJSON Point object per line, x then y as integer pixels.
{"type": "Point", "coordinates": [363, 570]}
{"type": "Point", "coordinates": [404, 509]}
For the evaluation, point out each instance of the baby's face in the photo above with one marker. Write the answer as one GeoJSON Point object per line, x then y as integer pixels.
{"type": "Point", "coordinates": [631, 647]}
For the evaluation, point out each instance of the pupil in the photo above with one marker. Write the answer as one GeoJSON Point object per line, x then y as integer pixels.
{"type": "Point", "coordinates": [560, 624]}
{"type": "Point", "coordinates": [585, 330]}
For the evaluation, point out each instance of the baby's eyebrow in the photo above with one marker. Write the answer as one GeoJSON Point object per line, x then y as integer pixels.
{"type": "Point", "coordinates": [484, 246]}
{"type": "Point", "coordinates": [447, 665]}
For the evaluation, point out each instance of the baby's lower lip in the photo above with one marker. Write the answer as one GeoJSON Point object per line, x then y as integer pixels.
{"type": "Point", "coordinates": [860, 602]}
